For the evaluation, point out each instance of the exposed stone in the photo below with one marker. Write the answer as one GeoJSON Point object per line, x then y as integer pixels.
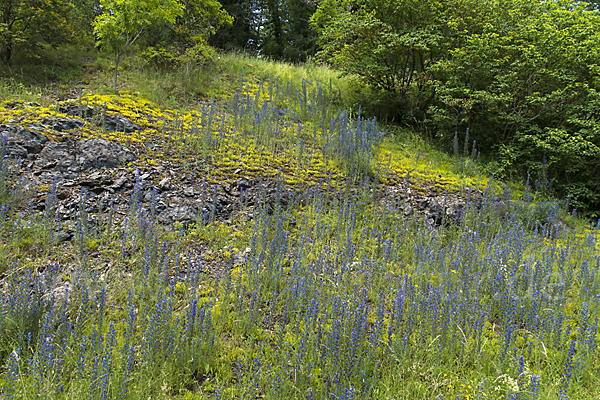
{"type": "Point", "coordinates": [63, 124]}
{"type": "Point", "coordinates": [185, 214]}
{"type": "Point", "coordinates": [94, 165]}
{"type": "Point", "coordinates": [120, 182]}
{"type": "Point", "coordinates": [241, 257]}
{"type": "Point", "coordinates": [148, 196]}
{"type": "Point", "coordinates": [422, 204]}
{"type": "Point", "coordinates": [245, 183]}
{"type": "Point", "coordinates": [112, 123]}
{"type": "Point", "coordinates": [436, 208]}
{"type": "Point", "coordinates": [117, 123]}
{"type": "Point", "coordinates": [56, 155]}
{"type": "Point", "coordinates": [82, 156]}
{"type": "Point", "coordinates": [189, 192]}
{"type": "Point", "coordinates": [16, 150]}
{"type": "Point", "coordinates": [60, 296]}
{"type": "Point", "coordinates": [165, 184]}
{"type": "Point", "coordinates": [62, 236]}
{"type": "Point", "coordinates": [98, 153]}
{"type": "Point", "coordinates": [21, 142]}
{"type": "Point", "coordinates": [96, 179]}
{"type": "Point", "coordinates": [80, 111]}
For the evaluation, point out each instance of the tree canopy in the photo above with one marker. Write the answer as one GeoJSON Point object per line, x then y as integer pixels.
{"type": "Point", "coordinates": [521, 76]}
{"type": "Point", "coordinates": [123, 21]}
{"type": "Point", "coordinates": [279, 29]}
{"type": "Point", "coordinates": [190, 30]}
{"type": "Point", "coordinates": [24, 24]}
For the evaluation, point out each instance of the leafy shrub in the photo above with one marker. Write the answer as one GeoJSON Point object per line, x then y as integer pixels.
{"type": "Point", "coordinates": [163, 56]}
{"type": "Point", "coordinates": [523, 76]}
{"type": "Point", "coordinates": [160, 56]}
{"type": "Point", "coordinates": [527, 88]}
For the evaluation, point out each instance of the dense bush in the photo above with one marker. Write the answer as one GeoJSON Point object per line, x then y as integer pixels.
{"type": "Point", "coordinates": [527, 88]}
{"type": "Point", "coordinates": [27, 24]}
{"type": "Point", "coordinates": [522, 76]}
{"type": "Point", "coordinates": [164, 56]}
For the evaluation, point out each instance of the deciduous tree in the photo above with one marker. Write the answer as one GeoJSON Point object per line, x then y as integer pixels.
{"type": "Point", "coordinates": [25, 24]}
{"type": "Point", "coordinates": [244, 32]}
{"type": "Point", "coordinates": [123, 21]}
{"type": "Point", "coordinates": [200, 19]}
{"type": "Point", "coordinates": [391, 44]}
{"type": "Point", "coordinates": [527, 87]}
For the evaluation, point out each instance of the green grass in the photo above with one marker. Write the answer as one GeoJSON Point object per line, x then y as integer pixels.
{"type": "Point", "coordinates": [13, 90]}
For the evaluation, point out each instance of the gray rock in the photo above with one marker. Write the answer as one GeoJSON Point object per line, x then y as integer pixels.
{"type": "Point", "coordinates": [79, 111]}
{"type": "Point", "coordinates": [62, 236]}
{"type": "Point", "coordinates": [99, 153]}
{"type": "Point", "coordinates": [112, 123]}
{"type": "Point", "coordinates": [161, 206]}
{"type": "Point", "coordinates": [122, 180]}
{"type": "Point", "coordinates": [96, 179]}
{"type": "Point", "coordinates": [117, 123]}
{"type": "Point", "coordinates": [82, 156]}
{"type": "Point", "coordinates": [148, 196]}
{"type": "Point", "coordinates": [21, 141]}
{"type": "Point", "coordinates": [455, 210]}
{"type": "Point", "coordinates": [63, 124]}
{"type": "Point", "coordinates": [241, 257]}
{"type": "Point", "coordinates": [436, 208]}
{"type": "Point", "coordinates": [56, 155]}
{"type": "Point", "coordinates": [189, 192]}
{"type": "Point", "coordinates": [244, 183]}
{"type": "Point", "coordinates": [185, 214]}
{"type": "Point", "coordinates": [37, 127]}
{"type": "Point", "coordinates": [165, 184]}
{"type": "Point", "coordinates": [16, 150]}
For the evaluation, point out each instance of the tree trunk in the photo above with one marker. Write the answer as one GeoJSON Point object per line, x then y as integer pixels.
{"type": "Point", "coordinates": [117, 59]}
{"type": "Point", "coordinates": [6, 50]}
{"type": "Point", "coordinates": [274, 12]}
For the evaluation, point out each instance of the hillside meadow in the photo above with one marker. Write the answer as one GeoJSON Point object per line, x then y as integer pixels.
{"type": "Point", "coordinates": [330, 256]}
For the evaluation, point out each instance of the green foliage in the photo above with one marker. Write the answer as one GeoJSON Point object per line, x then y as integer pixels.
{"type": "Point", "coordinates": [243, 33]}
{"type": "Point", "coordinates": [185, 40]}
{"type": "Point", "coordinates": [287, 34]}
{"type": "Point", "coordinates": [278, 29]}
{"type": "Point", "coordinates": [160, 56]}
{"type": "Point", "coordinates": [392, 45]}
{"type": "Point", "coordinates": [164, 56]}
{"type": "Point", "coordinates": [527, 87]}
{"type": "Point", "coordinates": [523, 76]}
{"type": "Point", "coordinates": [25, 24]}
{"type": "Point", "coordinates": [301, 37]}
{"type": "Point", "coordinates": [200, 19]}
{"type": "Point", "coordinates": [123, 21]}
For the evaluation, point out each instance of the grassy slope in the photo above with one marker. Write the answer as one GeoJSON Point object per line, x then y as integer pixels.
{"type": "Point", "coordinates": [338, 299]}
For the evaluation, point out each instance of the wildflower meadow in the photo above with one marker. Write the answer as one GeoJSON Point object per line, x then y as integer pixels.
{"type": "Point", "coordinates": [325, 287]}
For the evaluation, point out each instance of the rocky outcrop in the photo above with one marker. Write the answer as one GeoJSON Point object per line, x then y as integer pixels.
{"type": "Point", "coordinates": [21, 142]}
{"type": "Point", "coordinates": [91, 173]}
{"type": "Point", "coordinates": [63, 124]}
{"type": "Point", "coordinates": [116, 123]}
{"type": "Point", "coordinates": [112, 123]}
{"type": "Point", "coordinates": [70, 158]}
